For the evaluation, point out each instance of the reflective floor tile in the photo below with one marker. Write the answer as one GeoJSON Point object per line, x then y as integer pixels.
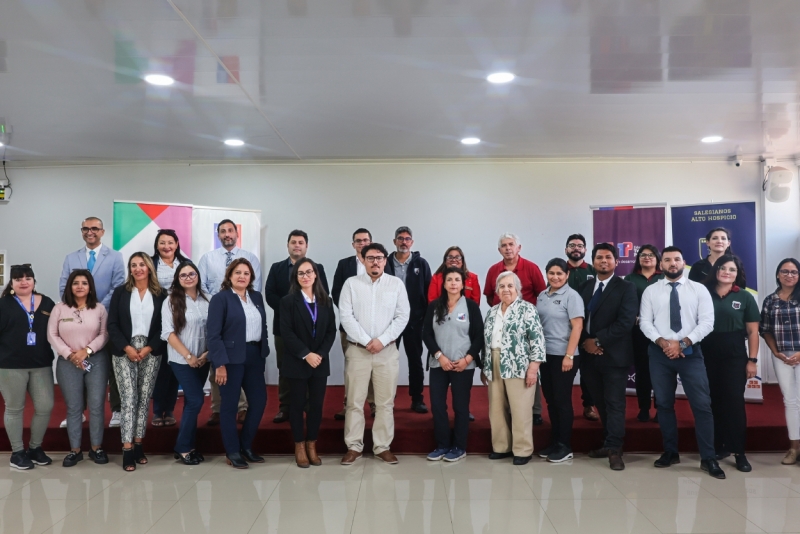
{"type": "Point", "coordinates": [104, 516]}
{"type": "Point", "coordinates": [34, 516]}
{"type": "Point", "coordinates": [557, 486]}
{"type": "Point", "coordinates": [323, 483]}
{"type": "Point", "coordinates": [510, 485]}
{"type": "Point", "coordinates": [214, 517]}
{"type": "Point", "coordinates": [693, 516]}
{"type": "Point", "coordinates": [225, 483]}
{"type": "Point", "coordinates": [407, 463]}
{"type": "Point", "coordinates": [404, 486]}
{"type": "Point", "coordinates": [412, 517]}
{"type": "Point", "coordinates": [738, 486]}
{"type": "Point", "coordinates": [656, 483]}
{"type": "Point", "coordinates": [611, 516]}
{"type": "Point", "coordinates": [292, 517]}
{"type": "Point", "coordinates": [504, 517]}
{"type": "Point", "coordinates": [79, 482]}
{"type": "Point", "coordinates": [769, 514]}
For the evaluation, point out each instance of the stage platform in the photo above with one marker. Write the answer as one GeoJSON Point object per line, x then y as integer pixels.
{"type": "Point", "coordinates": [414, 432]}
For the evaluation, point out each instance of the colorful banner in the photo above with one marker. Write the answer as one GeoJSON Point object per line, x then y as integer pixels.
{"type": "Point", "coordinates": [137, 223]}
{"type": "Point", "coordinates": [628, 228]}
{"type": "Point", "coordinates": [204, 226]}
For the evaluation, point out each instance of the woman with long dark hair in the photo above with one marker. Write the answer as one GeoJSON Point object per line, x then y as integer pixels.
{"type": "Point", "coordinates": [453, 335]}
{"type": "Point", "coordinates": [780, 328]}
{"type": "Point", "coordinates": [308, 327]}
{"type": "Point", "coordinates": [725, 352]}
{"type": "Point", "coordinates": [167, 256]}
{"type": "Point", "coordinates": [646, 271]}
{"type": "Point", "coordinates": [26, 364]}
{"type": "Point", "coordinates": [718, 241]}
{"type": "Point", "coordinates": [183, 326]}
{"type": "Point", "coordinates": [454, 257]}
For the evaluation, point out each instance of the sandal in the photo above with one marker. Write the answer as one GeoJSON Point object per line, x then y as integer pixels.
{"type": "Point", "coordinates": [169, 421]}
{"type": "Point", "coordinates": [158, 421]}
{"type": "Point", "coordinates": [138, 453]}
{"type": "Point", "coordinates": [128, 463]}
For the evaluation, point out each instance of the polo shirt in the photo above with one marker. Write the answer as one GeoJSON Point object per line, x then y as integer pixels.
{"type": "Point", "coordinates": [734, 310]}
{"type": "Point", "coordinates": [579, 275]}
{"type": "Point", "coordinates": [556, 309]}
{"type": "Point", "coordinates": [529, 275]}
{"type": "Point", "coordinates": [641, 282]}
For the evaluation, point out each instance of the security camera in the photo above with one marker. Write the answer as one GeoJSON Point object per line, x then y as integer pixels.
{"type": "Point", "coordinates": [737, 162]}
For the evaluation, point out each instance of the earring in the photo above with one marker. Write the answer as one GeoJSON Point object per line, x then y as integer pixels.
{"type": "Point", "coordinates": [12, 291]}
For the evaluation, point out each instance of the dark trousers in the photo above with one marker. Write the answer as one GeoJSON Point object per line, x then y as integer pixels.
{"type": "Point", "coordinates": [460, 388]}
{"type": "Point", "coordinates": [586, 396]}
{"type": "Point", "coordinates": [284, 397]}
{"type": "Point", "coordinates": [192, 379]}
{"type": "Point", "coordinates": [301, 389]}
{"type": "Point", "coordinates": [664, 374]}
{"type": "Point", "coordinates": [557, 390]}
{"type": "Point", "coordinates": [412, 342]}
{"type": "Point", "coordinates": [607, 385]}
{"type": "Point", "coordinates": [165, 394]}
{"type": "Point", "coordinates": [641, 361]}
{"type": "Point", "coordinates": [726, 365]}
{"type": "Point", "coordinates": [250, 377]}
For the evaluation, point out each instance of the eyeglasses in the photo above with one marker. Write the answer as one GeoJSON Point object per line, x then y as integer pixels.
{"type": "Point", "coordinates": [77, 315]}
{"type": "Point", "coordinates": [787, 272]}
{"type": "Point", "coordinates": [305, 274]}
{"type": "Point", "coordinates": [187, 276]}
{"type": "Point", "coordinates": [454, 258]}
{"type": "Point", "coordinates": [87, 229]}
{"type": "Point", "coordinates": [647, 256]}
{"type": "Point", "coordinates": [573, 246]}
{"type": "Point", "coordinates": [404, 239]}
{"type": "Point", "coordinates": [375, 259]}
{"type": "Point", "coordinates": [365, 241]}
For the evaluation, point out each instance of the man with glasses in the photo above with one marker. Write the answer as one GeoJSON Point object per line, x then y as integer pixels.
{"type": "Point", "coordinates": [374, 310]}
{"type": "Point", "coordinates": [348, 267]}
{"type": "Point", "coordinates": [212, 267]}
{"type": "Point", "coordinates": [579, 273]}
{"type": "Point", "coordinates": [415, 274]}
{"type": "Point", "coordinates": [276, 288]}
{"type": "Point", "coordinates": [108, 271]}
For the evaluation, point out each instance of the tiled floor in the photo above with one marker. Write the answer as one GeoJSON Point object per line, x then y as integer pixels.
{"type": "Point", "coordinates": [416, 496]}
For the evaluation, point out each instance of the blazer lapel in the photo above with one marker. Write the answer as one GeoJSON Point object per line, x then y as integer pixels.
{"type": "Point", "coordinates": [82, 258]}
{"type": "Point", "coordinates": [99, 261]}
{"type": "Point", "coordinates": [300, 303]}
{"type": "Point", "coordinates": [607, 291]}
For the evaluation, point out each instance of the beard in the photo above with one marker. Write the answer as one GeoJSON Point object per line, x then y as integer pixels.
{"type": "Point", "coordinates": [576, 256]}
{"type": "Point", "coordinates": [675, 275]}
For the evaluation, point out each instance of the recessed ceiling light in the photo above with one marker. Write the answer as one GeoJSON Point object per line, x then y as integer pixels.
{"type": "Point", "coordinates": [159, 79]}
{"type": "Point", "coordinates": [234, 142]}
{"type": "Point", "coordinates": [470, 141]}
{"type": "Point", "coordinates": [712, 139]}
{"type": "Point", "coordinates": [500, 77]}
{"type": "Point", "coordinates": [1, 143]}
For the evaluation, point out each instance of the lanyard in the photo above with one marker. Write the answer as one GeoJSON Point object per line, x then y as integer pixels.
{"type": "Point", "coordinates": [28, 313]}
{"type": "Point", "coordinates": [313, 317]}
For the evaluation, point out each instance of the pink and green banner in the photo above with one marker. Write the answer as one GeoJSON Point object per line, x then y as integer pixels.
{"type": "Point", "coordinates": [137, 223]}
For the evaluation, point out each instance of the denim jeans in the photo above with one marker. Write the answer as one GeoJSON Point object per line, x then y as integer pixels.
{"type": "Point", "coordinates": [14, 383]}
{"type": "Point", "coordinates": [72, 382]}
{"type": "Point", "coordinates": [192, 379]}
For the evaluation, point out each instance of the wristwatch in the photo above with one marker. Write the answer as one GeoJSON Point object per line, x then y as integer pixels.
{"type": "Point", "coordinates": [597, 342]}
{"type": "Point", "coordinates": [89, 351]}
{"type": "Point", "coordinates": [753, 360]}
{"type": "Point", "coordinates": [570, 356]}
{"type": "Point", "coordinates": [683, 345]}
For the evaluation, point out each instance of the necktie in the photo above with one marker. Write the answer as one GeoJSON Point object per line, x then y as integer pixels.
{"type": "Point", "coordinates": [674, 308]}
{"type": "Point", "coordinates": [92, 260]}
{"type": "Point", "coordinates": [229, 259]}
{"type": "Point", "coordinates": [596, 298]}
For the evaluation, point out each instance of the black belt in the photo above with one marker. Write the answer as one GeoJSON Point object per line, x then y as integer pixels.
{"type": "Point", "coordinates": [254, 343]}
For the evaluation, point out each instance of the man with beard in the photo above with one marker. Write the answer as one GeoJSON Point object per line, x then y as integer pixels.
{"type": "Point", "coordinates": [415, 273]}
{"type": "Point", "coordinates": [212, 268]}
{"type": "Point", "coordinates": [676, 314]}
{"type": "Point", "coordinates": [579, 272]}
{"type": "Point", "coordinates": [607, 348]}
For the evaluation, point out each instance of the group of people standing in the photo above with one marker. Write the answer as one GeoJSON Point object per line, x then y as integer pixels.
{"type": "Point", "coordinates": [165, 321]}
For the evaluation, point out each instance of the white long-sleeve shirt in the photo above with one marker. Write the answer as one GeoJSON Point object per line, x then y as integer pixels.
{"type": "Point", "coordinates": [213, 264]}
{"type": "Point", "coordinates": [370, 310]}
{"type": "Point", "coordinates": [697, 311]}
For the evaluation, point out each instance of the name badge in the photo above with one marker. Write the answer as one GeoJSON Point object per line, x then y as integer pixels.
{"type": "Point", "coordinates": [31, 338]}
{"type": "Point", "coordinates": [67, 320]}
{"type": "Point", "coordinates": [461, 317]}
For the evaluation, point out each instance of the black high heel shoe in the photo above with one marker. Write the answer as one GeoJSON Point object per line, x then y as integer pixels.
{"type": "Point", "coordinates": [138, 453]}
{"type": "Point", "coordinates": [189, 459]}
{"type": "Point", "coordinates": [236, 461]}
{"type": "Point", "coordinates": [199, 456]}
{"type": "Point", "coordinates": [128, 462]}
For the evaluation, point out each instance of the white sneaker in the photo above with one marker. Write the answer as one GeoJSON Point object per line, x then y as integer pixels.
{"type": "Point", "coordinates": [64, 422]}
{"type": "Point", "coordinates": [114, 423]}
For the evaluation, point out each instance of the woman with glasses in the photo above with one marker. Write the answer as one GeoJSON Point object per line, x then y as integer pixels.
{"type": "Point", "coordinates": [780, 328]}
{"type": "Point", "coordinates": [26, 364]}
{"type": "Point", "coordinates": [308, 327]}
{"type": "Point", "coordinates": [454, 257]}
{"type": "Point", "coordinates": [77, 332]}
{"type": "Point", "coordinates": [718, 241]}
{"type": "Point", "coordinates": [646, 272]}
{"type": "Point", "coordinates": [166, 258]}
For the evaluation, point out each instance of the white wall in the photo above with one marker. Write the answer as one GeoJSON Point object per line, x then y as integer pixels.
{"type": "Point", "coordinates": [445, 203]}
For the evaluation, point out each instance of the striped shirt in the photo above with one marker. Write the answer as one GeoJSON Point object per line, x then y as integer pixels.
{"type": "Point", "coordinates": [370, 310]}
{"type": "Point", "coordinates": [781, 319]}
{"type": "Point", "coordinates": [213, 264]}
{"type": "Point", "coordinates": [193, 335]}
{"type": "Point", "coordinates": [253, 317]}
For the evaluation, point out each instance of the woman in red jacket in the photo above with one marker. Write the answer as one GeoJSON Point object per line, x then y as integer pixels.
{"type": "Point", "coordinates": [454, 257]}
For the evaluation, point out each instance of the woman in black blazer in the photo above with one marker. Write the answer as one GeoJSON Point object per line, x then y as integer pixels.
{"type": "Point", "coordinates": [134, 327]}
{"type": "Point", "coordinates": [308, 327]}
{"type": "Point", "coordinates": [238, 347]}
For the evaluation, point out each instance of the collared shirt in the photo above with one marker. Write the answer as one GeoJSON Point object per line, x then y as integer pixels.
{"type": "Point", "coordinates": [529, 276]}
{"type": "Point", "coordinates": [642, 282]}
{"type": "Point", "coordinates": [733, 311]}
{"type": "Point", "coordinates": [193, 335]}
{"type": "Point", "coordinates": [400, 269]}
{"type": "Point", "coordinates": [370, 310]}
{"type": "Point", "coordinates": [165, 273]}
{"type": "Point", "coordinates": [556, 311]}
{"type": "Point", "coordinates": [360, 267]}
{"type": "Point", "coordinates": [579, 275]}
{"type": "Point", "coordinates": [497, 329]}
{"type": "Point", "coordinates": [141, 313]}
{"type": "Point", "coordinates": [213, 264]}
{"type": "Point", "coordinates": [597, 283]}
{"type": "Point", "coordinates": [253, 317]}
{"type": "Point", "coordinates": [96, 252]}
{"type": "Point", "coordinates": [697, 311]}
{"type": "Point", "coordinates": [781, 319]}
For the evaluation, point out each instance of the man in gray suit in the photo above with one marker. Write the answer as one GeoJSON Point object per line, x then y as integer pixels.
{"type": "Point", "coordinates": [108, 271]}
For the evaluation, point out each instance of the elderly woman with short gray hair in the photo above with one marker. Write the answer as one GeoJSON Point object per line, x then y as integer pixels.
{"type": "Point", "coordinates": [514, 334]}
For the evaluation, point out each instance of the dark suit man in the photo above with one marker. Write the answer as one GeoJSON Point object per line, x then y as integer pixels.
{"type": "Point", "coordinates": [347, 267]}
{"type": "Point", "coordinates": [276, 288]}
{"type": "Point", "coordinates": [607, 348]}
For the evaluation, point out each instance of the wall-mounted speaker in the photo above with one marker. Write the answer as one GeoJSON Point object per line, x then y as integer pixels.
{"type": "Point", "coordinates": [779, 184]}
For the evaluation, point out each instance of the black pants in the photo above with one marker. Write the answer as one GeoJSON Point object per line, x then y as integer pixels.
{"type": "Point", "coordinates": [301, 389]}
{"type": "Point", "coordinates": [165, 394]}
{"type": "Point", "coordinates": [412, 342]}
{"type": "Point", "coordinates": [641, 361]}
{"type": "Point", "coordinates": [726, 364]}
{"type": "Point", "coordinates": [586, 396]}
{"type": "Point", "coordinates": [557, 390]}
{"type": "Point", "coordinates": [460, 387]}
{"type": "Point", "coordinates": [250, 377]}
{"type": "Point", "coordinates": [607, 386]}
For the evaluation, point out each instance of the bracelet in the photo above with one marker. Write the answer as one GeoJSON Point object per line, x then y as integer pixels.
{"type": "Point", "coordinates": [570, 356]}
{"type": "Point", "coordinates": [437, 355]}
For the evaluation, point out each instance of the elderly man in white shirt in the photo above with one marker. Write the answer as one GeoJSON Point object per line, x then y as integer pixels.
{"type": "Point", "coordinates": [374, 311]}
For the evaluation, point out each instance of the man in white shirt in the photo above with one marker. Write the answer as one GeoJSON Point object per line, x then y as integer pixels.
{"type": "Point", "coordinates": [374, 311]}
{"type": "Point", "coordinates": [676, 314]}
{"type": "Point", "coordinates": [212, 269]}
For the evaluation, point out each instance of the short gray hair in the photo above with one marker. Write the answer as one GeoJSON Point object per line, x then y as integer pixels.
{"type": "Point", "coordinates": [504, 274]}
{"type": "Point", "coordinates": [508, 235]}
{"type": "Point", "coordinates": [403, 230]}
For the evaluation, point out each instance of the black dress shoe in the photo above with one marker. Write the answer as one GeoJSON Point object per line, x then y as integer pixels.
{"type": "Point", "coordinates": [281, 417]}
{"type": "Point", "coordinates": [615, 460]}
{"type": "Point", "coordinates": [711, 466]}
{"type": "Point", "coordinates": [199, 456]}
{"type": "Point", "coordinates": [500, 455]}
{"type": "Point", "coordinates": [537, 420]}
{"type": "Point", "coordinates": [189, 459]}
{"type": "Point", "coordinates": [667, 459]}
{"type": "Point", "coordinates": [419, 407]}
{"type": "Point", "coordinates": [602, 452]}
{"type": "Point", "coordinates": [742, 464]}
{"type": "Point", "coordinates": [721, 455]}
{"type": "Point", "coordinates": [521, 460]}
{"type": "Point", "coordinates": [644, 416]}
{"type": "Point", "coordinates": [251, 457]}
{"type": "Point", "coordinates": [236, 461]}
{"type": "Point", "coordinates": [471, 417]}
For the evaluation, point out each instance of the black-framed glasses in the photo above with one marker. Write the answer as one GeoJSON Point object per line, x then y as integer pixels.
{"type": "Point", "coordinates": [375, 259]}
{"type": "Point", "coordinates": [87, 229]}
{"type": "Point", "coordinates": [787, 272]}
{"type": "Point", "coordinates": [454, 258]}
{"type": "Point", "coordinates": [573, 246]}
{"type": "Point", "coordinates": [77, 316]}
{"type": "Point", "coordinates": [302, 274]}
{"type": "Point", "coordinates": [365, 241]}
{"type": "Point", "coordinates": [647, 256]}
{"type": "Point", "coordinates": [187, 276]}
{"type": "Point", "coordinates": [21, 266]}
{"type": "Point", "coordinates": [404, 239]}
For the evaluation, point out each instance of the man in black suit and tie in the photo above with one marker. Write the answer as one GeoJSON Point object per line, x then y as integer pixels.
{"type": "Point", "coordinates": [347, 267]}
{"type": "Point", "coordinates": [607, 349]}
{"type": "Point", "coordinates": [276, 288]}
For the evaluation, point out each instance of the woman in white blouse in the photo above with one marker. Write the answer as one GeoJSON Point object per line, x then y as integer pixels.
{"type": "Point", "coordinates": [183, 326]}
{"type": "Point", "coordinates": [134, 326]}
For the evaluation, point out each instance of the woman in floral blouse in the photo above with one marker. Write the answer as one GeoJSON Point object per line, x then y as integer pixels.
{"type": "Point", "coordinates": [514, 333]}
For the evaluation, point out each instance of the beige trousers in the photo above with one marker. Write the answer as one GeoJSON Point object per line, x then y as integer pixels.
{"type": "Point", "coordinates": [360, 367]}
{"type": "Point", "coordinates": [370, 392]}
{"type": "Point", "coordinates": [216, 399]}
{"type": "Point", "coordinates": [510, 412]}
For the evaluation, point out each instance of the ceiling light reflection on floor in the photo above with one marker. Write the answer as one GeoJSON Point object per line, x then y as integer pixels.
{"type": "Point", "coordinates": [234, 142]}
{"type": "Point", "coordinates": [159, 79]}
{"type": "Point", "coordinates": [500, 77]}
{"type": "Point", "coordinates": [712, 139]}
{"type": "Point", "coordinates": [470, 141]}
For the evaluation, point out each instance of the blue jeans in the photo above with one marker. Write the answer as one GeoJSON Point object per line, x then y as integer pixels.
{"type": "Point", "coordinates": [193, 379]}
{"type": "Point", "coordinates": [250, 377]}
{"type": "Point", "coordinates": [692, 370]}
